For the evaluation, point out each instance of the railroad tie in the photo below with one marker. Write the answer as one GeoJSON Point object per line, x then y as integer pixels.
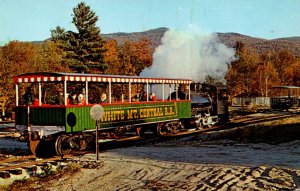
{"type": "Point", "coordinates": [4, 174]}
{"type": "Point", "coordinates": [16, 171]}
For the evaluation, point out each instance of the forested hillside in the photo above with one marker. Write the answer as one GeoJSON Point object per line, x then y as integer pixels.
{"type": "Point", "coordinates": [262, 63]}
{"type": "Point", "coordinates": [258, 44]}
{"type": "Point", "coordinates": [154, 36]}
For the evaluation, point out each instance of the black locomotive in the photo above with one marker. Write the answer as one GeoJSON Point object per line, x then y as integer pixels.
{"type": "Point", "coordinates": [209, 104]}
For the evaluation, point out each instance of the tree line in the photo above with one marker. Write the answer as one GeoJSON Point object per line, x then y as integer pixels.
{"type": "Point", "coordinates": [254, 74]}
{"type": "Point", "coordinates": [85, 51]}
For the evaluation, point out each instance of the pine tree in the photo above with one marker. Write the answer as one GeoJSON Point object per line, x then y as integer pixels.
{"type": "Point", "coordinates": [84, 48]}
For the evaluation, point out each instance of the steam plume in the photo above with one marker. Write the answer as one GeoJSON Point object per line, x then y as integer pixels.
{"type": "Point", "coordinates": [190, 55]}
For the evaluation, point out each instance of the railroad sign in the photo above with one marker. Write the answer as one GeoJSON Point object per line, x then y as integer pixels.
{"type": "Point", "coordinates": [97, 112]}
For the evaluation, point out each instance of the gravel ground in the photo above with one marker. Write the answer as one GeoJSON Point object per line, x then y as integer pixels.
{"type": "Point", "coordinates": [184, 164]}
{"type": "Point", "coordinates": [177, 166]}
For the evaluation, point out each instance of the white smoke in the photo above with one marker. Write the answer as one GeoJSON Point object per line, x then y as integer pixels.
{"type": "Point", "coordinates": [190, 55]}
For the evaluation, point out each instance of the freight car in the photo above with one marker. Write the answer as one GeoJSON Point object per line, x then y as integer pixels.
{"type": "Point", "coordinates": [59, 124]}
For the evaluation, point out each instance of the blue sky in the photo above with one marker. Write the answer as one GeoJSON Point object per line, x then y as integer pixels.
{"type": "Point", "coordinates": [32, 20]}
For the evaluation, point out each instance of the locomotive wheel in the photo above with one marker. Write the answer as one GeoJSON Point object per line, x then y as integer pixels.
{"type": "Point", "coordinates": [199, 125]}
{"type": "Point", "coordinates": [62, 145]}
{"type": "Point", "coordinates": [84, 143]}
{"type": "Point", "coordinates": [164, 129]}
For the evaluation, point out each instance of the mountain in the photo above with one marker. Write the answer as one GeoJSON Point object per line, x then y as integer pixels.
{"type": "Point", "coordinates": [263, 45]}
{"type": "Point", "coordinates": [260, 45]}
{"type": "Point", "coordinates": [154, 35]}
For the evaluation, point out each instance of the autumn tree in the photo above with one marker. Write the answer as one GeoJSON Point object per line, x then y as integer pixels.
{"type": "Point", "coordinates": [283, 62]}
{"type": "Point", "coordinates": [84, 48]}
{"type": "Point", "coordinates": [265, 75]}
{"type": "Point", "coordinates": [240, 74]}
{"type": "Point", "coordinates": [51, 57]}
{"type": "Point", "coordinates": [129, 58]}
{"type": "Point", "coordinates": [111, 57]}
{"type": "Point", "coordinates": [143, 55]}
{"type": "Point", "coordinates": [134, 57]}
{"type": "Point", "coordinates": [255, 75]}
{"type": "Point", "coordinates": [294, 70]}
{"type": "Point", "coordinates": [24, 57]}
{"type": "Point", "coordinates": [233, 76]}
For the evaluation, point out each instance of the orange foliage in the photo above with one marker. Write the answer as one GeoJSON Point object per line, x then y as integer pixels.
{"type": "Point", "coordinates": [24, 57]}
{"type": "Point", "coordinates": [283, 61]}
{"type": "Point", "coordinates": [130, 58]}
{"type": "Point", "coordinates": [111, 57]}
{"type": "Point", "coordinates": [266, 77]}
{"type": "Point", "coordinates": [240, 74]}
{"type": "Point", "coordinates": [254, 75]}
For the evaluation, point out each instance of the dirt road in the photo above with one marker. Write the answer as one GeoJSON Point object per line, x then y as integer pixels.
{"type": "Point", "coordinates": [160, 167]}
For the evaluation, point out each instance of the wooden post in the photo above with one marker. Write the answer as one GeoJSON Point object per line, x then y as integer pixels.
{"type": "Point", "coordinates": [97, 143]}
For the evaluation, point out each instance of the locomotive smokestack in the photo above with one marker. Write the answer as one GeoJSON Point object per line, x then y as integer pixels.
{"type": "Point", "coordinates": [190, 55]}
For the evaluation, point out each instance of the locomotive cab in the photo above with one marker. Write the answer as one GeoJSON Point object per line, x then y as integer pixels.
{"type": "Point", "coordinates": [213, 98]}
{"type": "Point", "coordinates": [222, 103]}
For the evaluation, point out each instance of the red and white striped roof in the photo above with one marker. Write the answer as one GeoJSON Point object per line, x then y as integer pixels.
{"type": "Point", "coordinates": [79, 77]}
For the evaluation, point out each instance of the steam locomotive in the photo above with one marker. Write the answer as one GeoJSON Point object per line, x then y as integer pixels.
{"type": "Point", "coordinates": [209, 104]}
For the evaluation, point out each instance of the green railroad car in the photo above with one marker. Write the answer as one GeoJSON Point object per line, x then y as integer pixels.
{"type": "Point", "coordinates": [55, 108]}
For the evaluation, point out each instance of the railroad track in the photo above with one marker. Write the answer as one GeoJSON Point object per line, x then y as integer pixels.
{"type": "Point", "coordinates": [11, 165]}
{"type": "Point", "coordinates": [27, 166]}
{"type": "Point", "coordinates": [12, 160]}
{"type": "Point", "coordinates": [27, 161]}
{"type": "Point", "coordinates": [256, 118]}
{"type": "Point", "coordinates": [150, 138]}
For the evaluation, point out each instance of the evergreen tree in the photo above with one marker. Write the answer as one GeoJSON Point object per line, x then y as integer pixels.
{"type": "Point", "coordinates": [84, 48]}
